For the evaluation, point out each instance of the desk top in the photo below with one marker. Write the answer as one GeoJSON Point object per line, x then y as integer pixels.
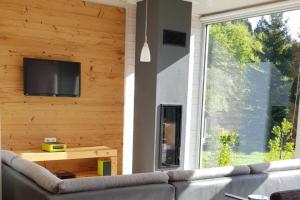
{"type": "Point", "coordinates": [70, 153]}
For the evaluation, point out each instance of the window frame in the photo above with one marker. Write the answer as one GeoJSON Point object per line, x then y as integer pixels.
{"type": "Point", "coordinates": [206, 20]}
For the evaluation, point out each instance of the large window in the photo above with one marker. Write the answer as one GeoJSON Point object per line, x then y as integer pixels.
{"type": "Point", "coordinates": [251, 101]}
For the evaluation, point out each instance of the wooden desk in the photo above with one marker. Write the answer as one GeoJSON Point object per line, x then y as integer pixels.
{"type": "Point", "coordinates": [75, 153]}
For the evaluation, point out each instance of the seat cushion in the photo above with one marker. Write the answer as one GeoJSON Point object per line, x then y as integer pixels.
{"type": "Point", "coordinates": [218, 172]}
{"type": "Point", "coordinates": [107, 182]}
{"type": "Point", "coordinates": [282, 165]}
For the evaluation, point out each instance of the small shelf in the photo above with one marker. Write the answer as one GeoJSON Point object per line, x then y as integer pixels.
{"type": "Point", "coordinates": [70, 153]}
{"type": "Point", "coordinates": [75, 153]}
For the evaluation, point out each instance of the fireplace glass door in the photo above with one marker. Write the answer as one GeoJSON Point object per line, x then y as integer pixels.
{"type": "Point", "coordinates": [170, 131]}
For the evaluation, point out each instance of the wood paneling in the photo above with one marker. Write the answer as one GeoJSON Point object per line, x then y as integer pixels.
{"type": "Point", "coordinates": [69, 30]}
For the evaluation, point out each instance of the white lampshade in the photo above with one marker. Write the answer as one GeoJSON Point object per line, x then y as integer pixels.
{"type": "Point", "coordinates": [145, 54]}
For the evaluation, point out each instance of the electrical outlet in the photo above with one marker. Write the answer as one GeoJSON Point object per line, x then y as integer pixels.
{"type": "Point", "coordinates": [49, 140]}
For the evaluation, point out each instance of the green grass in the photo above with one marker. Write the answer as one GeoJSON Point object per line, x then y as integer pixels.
{"type": "Point", "coordinates": [245, 159]}
{"type": "Point", "coordinates": [210, 158]}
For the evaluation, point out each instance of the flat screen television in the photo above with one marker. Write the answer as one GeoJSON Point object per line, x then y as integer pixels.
{"type": "Point", "coordinates": [51, 78]}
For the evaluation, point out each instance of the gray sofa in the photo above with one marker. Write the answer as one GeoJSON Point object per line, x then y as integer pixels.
{"type": "Point", "coordinates": [211, 184]}
{"type": "Point", "coordinates": [23, 180]}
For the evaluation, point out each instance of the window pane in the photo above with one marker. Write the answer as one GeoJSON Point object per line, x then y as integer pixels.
{"type": "Point", "coordinates": [251, 101]}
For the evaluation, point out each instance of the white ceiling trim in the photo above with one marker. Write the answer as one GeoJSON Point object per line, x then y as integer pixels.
{"type": "Point", "coordinates": [252, 11]}
{"type": "Point", "coordinates": [200, 7]}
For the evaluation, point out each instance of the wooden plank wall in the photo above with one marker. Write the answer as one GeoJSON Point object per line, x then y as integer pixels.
{"type": "Point", "coordinates": [69, 30]}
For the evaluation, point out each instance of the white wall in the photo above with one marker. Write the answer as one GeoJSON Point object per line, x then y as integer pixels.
{"type": "Point", "coordinates": [129, 88]}
{"type": "Point", "coordinates": [192, 153]}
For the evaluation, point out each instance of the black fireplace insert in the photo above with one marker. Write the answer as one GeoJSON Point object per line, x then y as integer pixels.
{"type": "Point", "coordinates": [170, 134]}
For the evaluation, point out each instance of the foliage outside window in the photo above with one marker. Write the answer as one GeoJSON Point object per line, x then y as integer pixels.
{"type": "Point", "coordinates": [251, 102]}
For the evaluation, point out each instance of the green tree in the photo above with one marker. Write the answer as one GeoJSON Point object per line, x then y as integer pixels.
{"type": "Point", "coordinates": [236, 39]}
{"type": "Point", "coordinates": [231, 46]}
{"type": "Point", "coordinates": [273, 33]}
{"type": "Point", "coordinates": [282, 145]}
{"type": "Point", "coordinates": [228, 141]}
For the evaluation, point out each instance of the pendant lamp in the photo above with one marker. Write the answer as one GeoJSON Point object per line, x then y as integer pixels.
{"type": "Point", "coordinates": [145, 53]}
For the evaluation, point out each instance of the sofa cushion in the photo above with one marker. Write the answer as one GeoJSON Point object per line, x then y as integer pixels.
{"type": "Point", "coordinates": [282, 165]}
{"type": "Point", "coordinates": [106, 182]}
{"type": "Point", "coordinates": [37, 173]}
{"type": "Point", "coordinates": [190, 175]}
{"type": "Point", "coordinates": [8, 156]}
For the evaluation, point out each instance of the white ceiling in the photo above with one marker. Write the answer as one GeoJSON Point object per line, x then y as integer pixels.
{"type": "Point", "coordinates": [201, 7]}
{"type": "Point", "coordinates": [204, 7]}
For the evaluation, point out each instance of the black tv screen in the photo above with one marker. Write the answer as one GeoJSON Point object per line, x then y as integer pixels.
{"type": "Point", "coordinates": [51, 78]}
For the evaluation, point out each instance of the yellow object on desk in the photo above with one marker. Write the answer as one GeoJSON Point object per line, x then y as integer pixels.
{"type": "Point", "coordinates": [104, 168]}
{"type": "Point", "coordinates": [54, 147]}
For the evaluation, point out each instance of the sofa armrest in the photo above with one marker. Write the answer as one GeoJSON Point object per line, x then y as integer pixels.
{"type": "Point", "coordinates": [16, 186]}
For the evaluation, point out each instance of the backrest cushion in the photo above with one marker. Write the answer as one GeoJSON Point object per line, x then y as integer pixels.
{"type": "Point", "coordinates": [209, 173]}
{"type": "Point", "coordinates": [31, 170]}
{"type": "Point", "coordinates": [282, 165]}
{"type": "Point", "coordinates": [107, 182]}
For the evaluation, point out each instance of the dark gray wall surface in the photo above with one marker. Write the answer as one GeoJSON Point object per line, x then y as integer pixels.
{"type": "Point", "coordinates": [173, 63]}
{"type": "Point", "coordinates": [162, 81]}
{"type": "Point", "coordinates": [145, 91]}
{"type": "Point", "coordinates": [174, 15]}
